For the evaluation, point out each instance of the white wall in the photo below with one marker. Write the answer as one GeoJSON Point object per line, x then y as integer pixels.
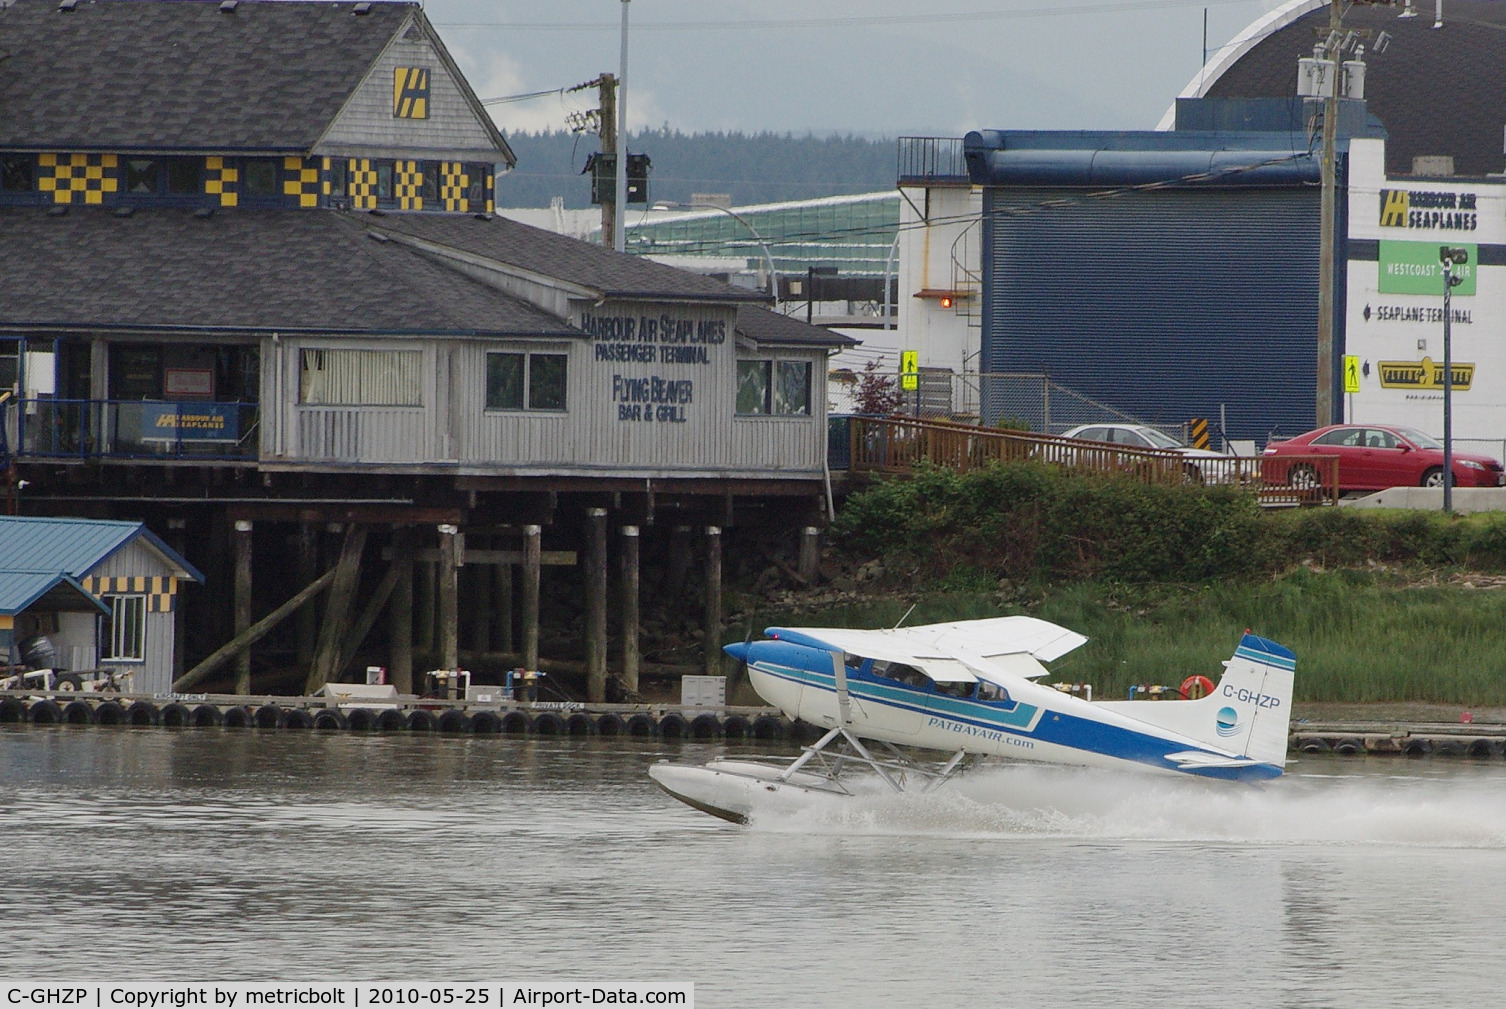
{"type": "Point", "coordinates": [1403, 327]}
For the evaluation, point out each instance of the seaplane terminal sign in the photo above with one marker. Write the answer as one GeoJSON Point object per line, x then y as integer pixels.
{"type": "Point", "coordinates": [665, 339]}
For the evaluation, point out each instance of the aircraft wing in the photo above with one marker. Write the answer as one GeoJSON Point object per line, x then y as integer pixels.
{"type": "Point", "coordinates": [1000, 640]}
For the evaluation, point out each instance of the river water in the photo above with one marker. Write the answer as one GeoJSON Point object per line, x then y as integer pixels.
{"type": "Point", "coordinates": [210, 854]}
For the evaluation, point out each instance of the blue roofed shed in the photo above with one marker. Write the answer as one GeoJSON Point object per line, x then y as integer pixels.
{"type": "Point", "coordinates": [104, 591]}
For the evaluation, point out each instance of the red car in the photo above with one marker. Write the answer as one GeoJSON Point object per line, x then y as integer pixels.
{"type": "Point", "coordinates": [1376, 456]}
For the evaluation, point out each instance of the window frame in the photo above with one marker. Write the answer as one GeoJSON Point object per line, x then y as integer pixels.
{"type": "Point", "coordinates": [126, 625]}
{"type": "Point", "coordinates": [771, 406]}
{"type": "Point", "coordinates": [527, 396]}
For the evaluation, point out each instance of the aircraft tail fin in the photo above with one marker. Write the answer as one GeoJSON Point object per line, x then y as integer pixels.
{"type": "Point", "coordinates": [1254, 700]}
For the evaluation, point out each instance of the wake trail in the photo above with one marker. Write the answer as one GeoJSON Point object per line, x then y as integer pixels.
{"type": "Point", "coordinates": [1465, 809]}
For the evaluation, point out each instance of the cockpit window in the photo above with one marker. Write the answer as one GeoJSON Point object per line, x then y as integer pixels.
{"type": "Point", "coordinates": [954, 688]}
{"type": "Point", "coordinates": [852, 662]}
{"type": "Point", "coordinates": [991, 692]}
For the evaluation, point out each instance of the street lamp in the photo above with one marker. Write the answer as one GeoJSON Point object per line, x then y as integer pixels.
{"type": "Point", "coordinates": [1449, 256]}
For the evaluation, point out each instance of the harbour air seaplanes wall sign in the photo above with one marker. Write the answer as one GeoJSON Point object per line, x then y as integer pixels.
{"type": "Point", "coordinates": [1394, 317]}
{"type": "Point", "coordinates": [660, 363]}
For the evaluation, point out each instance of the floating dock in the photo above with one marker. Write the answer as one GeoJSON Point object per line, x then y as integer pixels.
{"type": "Point", "coordinates": [405, 714]}
{"type": "Point", "coordinates": [570, 718]}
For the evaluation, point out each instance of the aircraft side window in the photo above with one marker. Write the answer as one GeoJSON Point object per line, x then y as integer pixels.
{"type": "Point", "coordinates": [853, 662]}
{"type": "Point", "coordinates": [992, 692]}
{"type": "Point", "coordinates": [954, 689]}
{"type": "Point", "coordinates": [908, 675]}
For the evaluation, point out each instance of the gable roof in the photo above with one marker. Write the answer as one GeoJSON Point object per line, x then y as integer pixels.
{"type": "Point", "coordinates": [1436, 91]}
{"type": "Point", "coordinates": [74, 547]}
{"type": "Point", "coordinates": [605, 272]}
{"type": "Point", "coordinates": [770, 329]}
{"type": "Point", "coordinates": [20, 590]}
{"type": "Point", "coordinates": [185, 75]}
{"type": "Point", "coordinates": [242, 270]}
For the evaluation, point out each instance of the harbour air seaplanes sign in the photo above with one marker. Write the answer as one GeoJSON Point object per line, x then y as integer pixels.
{"type": "Point", "coordinates": [645, 394]}
{"type": "Point", "coordinates": [1410, 208]}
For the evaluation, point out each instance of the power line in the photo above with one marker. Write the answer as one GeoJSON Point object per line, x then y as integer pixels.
{"type": "Point", "coordinates": [781, 24]}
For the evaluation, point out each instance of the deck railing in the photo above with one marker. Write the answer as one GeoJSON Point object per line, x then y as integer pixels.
{"type": "Point", "coordinates": [134, 429]}
{"type": "Point", "coordinates": [896, 445]}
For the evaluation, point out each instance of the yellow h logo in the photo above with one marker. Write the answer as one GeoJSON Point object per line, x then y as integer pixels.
{"type": "Point", "coordinates": [410, 93]}
{"type": "Point", "coordinates": [1394, 206]}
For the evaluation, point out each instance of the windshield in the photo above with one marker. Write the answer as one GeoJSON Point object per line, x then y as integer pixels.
{"type": "Point", "coordinates": [1418, 438]}
{"type": "Point", "coordinates": [1158, 438]}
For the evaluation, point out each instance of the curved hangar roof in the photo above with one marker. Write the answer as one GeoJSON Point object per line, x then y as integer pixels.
{"type": "Point", "coordinates": [1437, 91]}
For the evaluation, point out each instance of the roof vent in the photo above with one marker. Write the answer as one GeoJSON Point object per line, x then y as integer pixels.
{"type": "Point", "coordinates": [1433, 164]}
{"type": "Point", "coordinates": [67, 5]}
{"type": "Point", "coordinates": [228, 6]}
{"type": "Point", "coordinates": [124, 211]}
{"type": "Point", "coordinates": [204, 212]}
{"type": "Point", "coordinates": [61, 210]}
{"type": "Point", "coordinates": [377, 236]}
{"type": "Point", "coordinates": [362, 8]}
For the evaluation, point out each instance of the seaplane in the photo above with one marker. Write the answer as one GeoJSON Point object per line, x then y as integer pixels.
{"type": "Point", "coordinates": [970, 690]}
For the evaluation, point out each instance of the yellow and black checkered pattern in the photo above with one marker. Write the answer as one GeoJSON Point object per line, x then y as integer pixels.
{"type": "Point", "coordinates": [222, 180]}
{"type": "Point", "coordinates": [491, 202]}
{"type": "Point", "coordinates": [160, 591]}
{"type": "Point", "coordinates": [363, 184]}
{"type": "Point", "coordinates": [408, 185]}
{"type": "Point", "coordinates": [77, 178]}
{"type": "Point", "coordinates": [453, 184]}
{"type": "Point", "coordinates": [300, 178]}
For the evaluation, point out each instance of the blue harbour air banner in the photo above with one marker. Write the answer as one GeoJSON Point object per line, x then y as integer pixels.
{"type": "Point", "coordinates": [176, 422]}
{"type": "Point", "coordinates": [642, 345]}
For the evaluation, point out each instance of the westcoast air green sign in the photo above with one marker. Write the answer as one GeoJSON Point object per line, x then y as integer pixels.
{"type": "Point", "coordinates": [1413, 268]}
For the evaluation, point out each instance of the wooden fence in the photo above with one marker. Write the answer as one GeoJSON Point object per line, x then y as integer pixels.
{"type": "Point", "coordinates": [896, 445]}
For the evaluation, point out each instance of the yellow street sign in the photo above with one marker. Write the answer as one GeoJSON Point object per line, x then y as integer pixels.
{"type": "Point", "coordinates": [909, 370]}
{"type": "Point", "coordinates": [1351, 373]}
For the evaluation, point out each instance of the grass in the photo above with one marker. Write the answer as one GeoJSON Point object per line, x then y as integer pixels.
{"type": "Point", "coordinates": [1360, 636]}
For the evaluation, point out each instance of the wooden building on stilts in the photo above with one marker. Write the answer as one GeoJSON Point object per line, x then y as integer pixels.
{"type": "Point", "coordinates": [256, 297]}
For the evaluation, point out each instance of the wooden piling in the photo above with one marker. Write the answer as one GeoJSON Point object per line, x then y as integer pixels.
{"type": "Point", "coordinates": [480, 578]}
{"type": "Point", "coordinates": [630, 657]}
{"type": "Point", "coordinates": [253, 634]}
{"type": "Point", "coordinates": [306, 629]}
{"type": "Point", "coordinates": [242, 549]}
{"type": "Point", "coordinates": [712, 639]}
{"type": "Point", "coordinates": [810, 554]}
{"type": "Point", "coordinates": [400, 665]}
{"type": "Point", "coordinates": [450, 545]}
{"type": "Point", "coordinates": [503, 605]}
{"type": "Point", "coordinates": [425, 641]}
{"type": "Point", "coordinates": [334, 628]}
{"type": "Point", "coordinates": [596, 604]}
{"type": "Point", "coordinates": [532, 536]}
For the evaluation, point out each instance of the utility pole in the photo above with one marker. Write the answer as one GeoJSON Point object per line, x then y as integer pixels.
{"type": "Point", "coordinates": [1324, 398]}
{"type": "Point", "coordinates": [619, 230]}
{"type": "Point", "coordinates": [606, 86]}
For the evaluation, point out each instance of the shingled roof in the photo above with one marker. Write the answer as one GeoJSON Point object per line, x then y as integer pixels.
{"type": "Point", "coordinates": [610, 274]}
{"type": "Point", "coordinates": [244, 270]}
{"type": "Point", "coordinates": [1437, 91]}
{"type": "Point", "coordinates": [770, 329]}
{"type": "Point", "coordinates": [185, 75]}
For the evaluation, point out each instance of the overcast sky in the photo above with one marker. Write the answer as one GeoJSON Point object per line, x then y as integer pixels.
{"type": "Point", "coordinates": [872, 67]}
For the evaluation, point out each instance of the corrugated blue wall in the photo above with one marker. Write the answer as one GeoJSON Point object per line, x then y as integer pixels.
{"type": "Point", "coordinates": [1163, 304]}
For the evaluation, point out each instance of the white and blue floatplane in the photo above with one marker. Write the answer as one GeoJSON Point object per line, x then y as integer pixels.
{"type": "Point", "coordinates": [969, 689]}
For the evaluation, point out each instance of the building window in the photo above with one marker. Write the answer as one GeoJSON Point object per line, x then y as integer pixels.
{"type": "Point", "coordinates": [476, 187]}
{"type": "Point", "coordinates": [337, 178]}
{"type": "Point", "coordinates": [384, 180]}
{"type": "Point", "coordinates": [122, 635]}
{"type": "Point", "coordinates": [525, 381]}
{"type": "Point", "coordinates": [183, 177]}
{"type": "Point", "coordinates": [781, 388]}
{"type": "Point", "coordinates": [18, 173]}
{"type": "Point", "coordinates": [260, 179]}
{"type": "Point", "coordinates": [430, 187]}
{"type": "Point", "coordinates": [360, 377]}
{"type": "Point", "coordinates": [141, 176]}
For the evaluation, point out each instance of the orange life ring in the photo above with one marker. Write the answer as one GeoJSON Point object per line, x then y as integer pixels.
{"type": "Point", "coordinates": [1196, 686]}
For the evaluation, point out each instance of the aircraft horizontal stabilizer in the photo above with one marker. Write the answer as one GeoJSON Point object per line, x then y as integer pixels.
{"type": "Point", "coordinates": [1190, 759]}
